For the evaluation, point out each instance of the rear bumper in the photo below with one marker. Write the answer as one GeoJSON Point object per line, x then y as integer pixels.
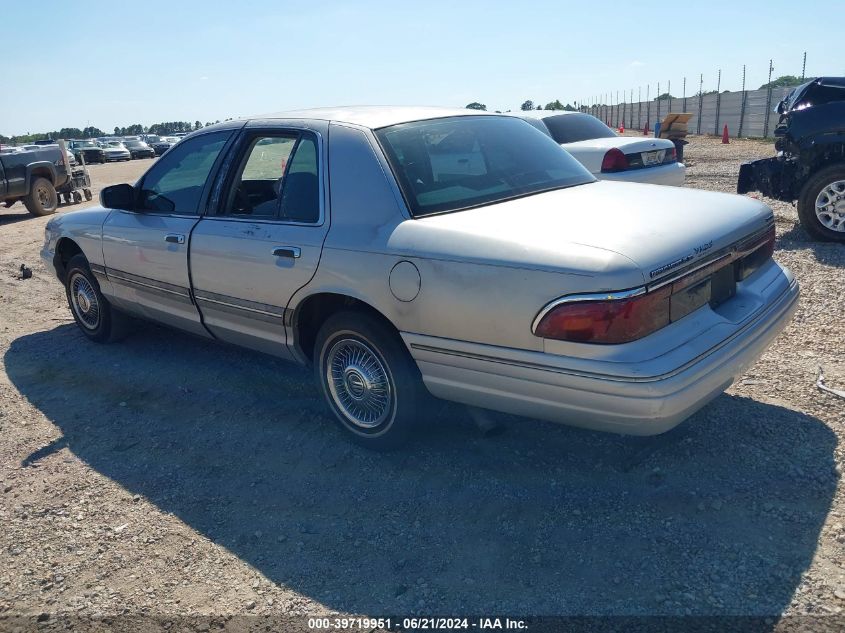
{"type": "Point", "coordinates": [638, 401]}
{"type": "Point", "coordinates": [673, 175]}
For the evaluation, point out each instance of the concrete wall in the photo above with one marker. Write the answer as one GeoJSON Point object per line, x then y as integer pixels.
{"type": "Point", "coordinates": [709, 114]}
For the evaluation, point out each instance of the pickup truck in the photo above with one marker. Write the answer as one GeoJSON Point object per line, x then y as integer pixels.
{"type": "Point", "coordinates": [32, 177]}
{"type": "Point", "coordinates": [810, 163]}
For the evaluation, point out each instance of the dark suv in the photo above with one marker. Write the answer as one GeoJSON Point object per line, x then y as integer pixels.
{"type": "Point", "coordinates": [810, 164]}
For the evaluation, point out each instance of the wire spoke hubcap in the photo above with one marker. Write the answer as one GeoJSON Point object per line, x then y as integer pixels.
{"type": "Point", "coordinates": [830, 206]}
{"type": "Point", "coordinates": [359, 383]}
{"type": "Point", "coordinates": [84, 301]}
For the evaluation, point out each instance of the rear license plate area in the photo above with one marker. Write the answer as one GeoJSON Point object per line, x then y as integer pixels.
{"type": "Point", "coordinates": [653, 158]}
{"type": "Point", "coordinates": [713, 290]}
{"type": "Point", "coordinates": [723, 285]}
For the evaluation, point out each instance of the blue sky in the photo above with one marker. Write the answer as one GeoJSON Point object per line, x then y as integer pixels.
{"type": "Point", "coordinates": [145, 62]}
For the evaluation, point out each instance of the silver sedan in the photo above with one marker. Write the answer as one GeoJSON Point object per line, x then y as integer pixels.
{"type": "Point", "coordinates": [405, 253]}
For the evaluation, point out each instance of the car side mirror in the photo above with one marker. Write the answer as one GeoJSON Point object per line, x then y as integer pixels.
{"type": "Point", "coordinates": [780, 107]}
{"type": "Point", "coordinates": [118, 197]}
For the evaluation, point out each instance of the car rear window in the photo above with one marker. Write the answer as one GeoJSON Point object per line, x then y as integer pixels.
{"type": "Point", "coordinates": [455, 163]}
{"type": "Point", "coordinates": [571, 128]}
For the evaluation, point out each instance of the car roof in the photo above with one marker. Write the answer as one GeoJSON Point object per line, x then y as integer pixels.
{"type": "Point", "coordinates": [542, 114]}
{"type": "Point", "coordinates": [372, 117]}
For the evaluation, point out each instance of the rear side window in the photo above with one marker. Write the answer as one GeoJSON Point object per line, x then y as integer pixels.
{"type": "Point", "coordinates": [277, 180]}
{"type": "Point", "coordinates": [571, 128]}
{"type": "Point", "coordinates": [455, 163]}
{"type": "Point", "coordinates": [175, 183]}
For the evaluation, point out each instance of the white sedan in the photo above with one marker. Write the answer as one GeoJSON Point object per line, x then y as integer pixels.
{"type": "Point", "coordinates": [607, 155]}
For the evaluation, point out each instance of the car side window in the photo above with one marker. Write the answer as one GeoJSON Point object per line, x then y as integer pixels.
{"type": "Point", "coordinates": [256, 189]}
{"type": "Point", "coordinates": [175, 183]}
{"type": "Point", "coordinates": [277, 179]}
{"type": "Point", "coordinates": [301, 192]}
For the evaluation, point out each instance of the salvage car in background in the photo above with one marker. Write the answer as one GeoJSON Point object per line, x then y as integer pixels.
{"type": "Point", "coordinates": [90, 151]}
{"type": "Point", "coordinates": [607, 155]}
{"type": "Point", "coordinates": [163, 144]}
{"type": "Point", "coordinates": [114, 151]}
{"type": "Point", "coordinates": [810, 164]}
{"type": "Point", "coordinates": [404, 249]}
{"type": "Point", "coordinates": [139, 149]}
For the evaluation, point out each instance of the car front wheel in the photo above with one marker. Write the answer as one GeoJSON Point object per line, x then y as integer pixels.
{"type": "Point", "coordinates": [368, 379]}
{"type": "Point", "coordinates": [91, 310]}
{"type": "Point", "coordinates": [821, 205]}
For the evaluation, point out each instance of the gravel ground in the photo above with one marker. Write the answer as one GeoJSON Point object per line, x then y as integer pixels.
{"type": "Point", "coordinates": [170, 475]}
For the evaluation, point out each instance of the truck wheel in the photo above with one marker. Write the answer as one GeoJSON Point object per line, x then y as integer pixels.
{"type": "Point", "coordinates": [368, 379]}
{"type": "Point", "coordinates": [42, 198]}
{"type": "Point", "coordinates": [821, 205]}
{"type": "Point", "coordinates": [87, 193]}
{"type": "Point", "coordinates": [91, 310]}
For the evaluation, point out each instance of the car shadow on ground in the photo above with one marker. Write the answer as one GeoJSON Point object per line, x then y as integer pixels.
{"type": "Point", "coordinates": [720, 515]}
{"type": "Point", "coordinates": [796, 239]}
{"type": "Point", "coordinates": [14, 214]}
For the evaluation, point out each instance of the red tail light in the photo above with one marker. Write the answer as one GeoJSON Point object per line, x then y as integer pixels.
{"type": "Point", "coordinates": [614, 160]}
{"type": "Point", "coordinates": [626, 316]}
{"type": "Point", "coordinates": [611, 321]}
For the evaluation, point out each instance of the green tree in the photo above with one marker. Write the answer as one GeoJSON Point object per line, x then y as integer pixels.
{"type": "Point", "coordinates": [527, 105]}
{"type": "Point", "coordinates": [784, 80]}
{"type": "Point", "coordinates": [554, 105]}
{"type": "Point", "coordinates": [664, 96]}
{"type": "Point", "coordinates": [475, 105]}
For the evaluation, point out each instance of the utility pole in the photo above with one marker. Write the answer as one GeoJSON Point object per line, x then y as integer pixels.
{"type": "Point", "coordinates": [768, 101]}
{"type": "Point", "coordinates": [718, 102]}
{"type": "Point", "coordinates": [742, 107]}
{"type": "Point", "coordinates": [700, 101]}
{"type": "Point", "coordinates": [669, 92]}
{"type": "Point", "coordinates": [804, 67]}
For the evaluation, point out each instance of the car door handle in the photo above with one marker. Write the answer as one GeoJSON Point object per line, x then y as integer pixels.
{"type": "Point", "coordinates": [287, 251]}
{"type": "Point", "coordinates": [174, 238]}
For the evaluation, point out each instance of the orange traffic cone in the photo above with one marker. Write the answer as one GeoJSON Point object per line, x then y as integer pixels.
{"type": "Point", "coordinates": [645, 129]}
{"type": "Point", "coordinates": [725, 139]}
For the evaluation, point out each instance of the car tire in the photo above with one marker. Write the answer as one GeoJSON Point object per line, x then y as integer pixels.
{"type": "Point", "coordinates": [94, 315]}
{"type": "Point", "coordinates": [825, 222]}
{"type": "Point", "coordinates": [42, 198]}
{"type": "Point", "coordinates": [368, 379]}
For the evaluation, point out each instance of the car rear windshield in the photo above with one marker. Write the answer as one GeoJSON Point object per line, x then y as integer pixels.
{"type": "Point", "coordinates": [571, 128]}
{"type": "Point", "coordinates": [455, 163]}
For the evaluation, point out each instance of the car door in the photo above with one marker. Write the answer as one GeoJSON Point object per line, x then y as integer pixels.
{"type": "Point", "coordinates": [146, 250]}
{"type": "Point", "coordinates": [264, 241]}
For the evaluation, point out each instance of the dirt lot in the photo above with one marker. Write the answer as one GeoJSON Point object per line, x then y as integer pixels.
{"type": "Point", "coordinates": [167, 474]}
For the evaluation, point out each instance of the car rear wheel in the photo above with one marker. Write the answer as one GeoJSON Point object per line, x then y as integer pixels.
{"type": "Point", "coordinates": [821, 205]}
{"type": "Point", "coordinates": [42, 198]}
{"type": "Point", "coordinates": [94, 315]}
{"type": "Point", "coordinates": [368, 379]}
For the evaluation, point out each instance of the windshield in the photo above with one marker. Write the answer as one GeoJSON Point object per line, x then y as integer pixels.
{"type": "Point", "coordinates": [115, 144]}
{"type": "Point", "coordinates": [571, 128]}
{"type": "Point", "coordinates": [85, 144]}
{"type": "Point", "coordinates": [449, 164]}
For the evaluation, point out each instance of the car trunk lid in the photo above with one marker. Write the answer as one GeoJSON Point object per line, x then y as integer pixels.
{"type": "Point", "coordinates": [659, 230]}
